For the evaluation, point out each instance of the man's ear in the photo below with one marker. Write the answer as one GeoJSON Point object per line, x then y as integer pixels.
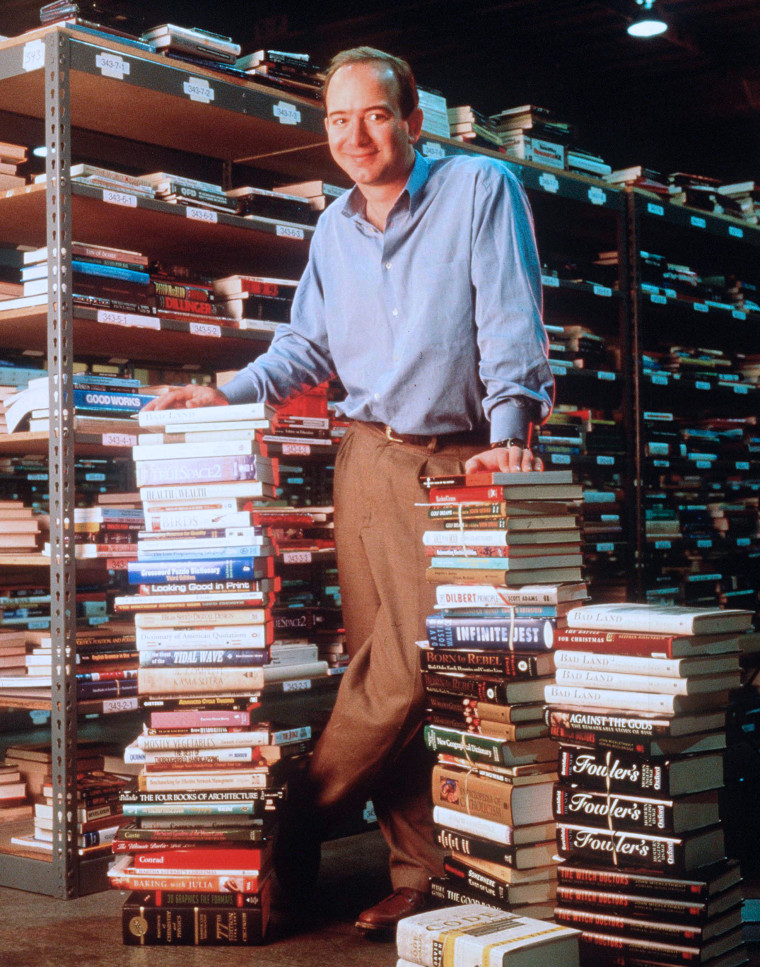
{"type": "Point", "coordinates": [414, 122]}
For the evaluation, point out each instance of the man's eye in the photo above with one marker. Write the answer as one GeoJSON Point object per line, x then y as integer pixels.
{"type": "Point", "coordinates": [377, 116]}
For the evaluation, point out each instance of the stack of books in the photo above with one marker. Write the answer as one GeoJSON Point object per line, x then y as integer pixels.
{"type": "Point", "coordinates": [11, 261]}
{"type": "Point", "coordinates": [638, 176]}
{"type": "Point", "coordinates": [285, 70]}
{"type": "Point", "coordinates": [304, 420]}
{"type": "Point", "coordinates": [319, 194]}
{"type": "Point", "coordinates": [99, 815]}
{"type": "Point", "coordinates": [467, 124]}
{"type": "Point", "coordinates": [14, 802]}
{"type": "Point", "coordinates": [180, 190]}
{"type": "Point", "coordinates": [639, 710]}
{"type": "Point", "coordinates": [97, 401]}
{"type": "Point", "coordinates": [11, 156]}
{"type": "Point", "coordinates": [255, 298]}
{"type": "Point", "coordinates": [107, 178]}
{"type": "Point", "coordinates": [106, 533]}
{"type": "Point", "coordinates": [531, 133]}
{"type": "Point", "coordinates": [199, 45]}
{"type": "Point", "coordinates": [477, 934]}
{"type": "Point", "coordinates": [20, 527]}
{"type": "Point", "coordinates": [279, 205]}
{"type": "Point", "coordinates": [745, 199]}
{"type": "Point", "coordinates": [435, 115]}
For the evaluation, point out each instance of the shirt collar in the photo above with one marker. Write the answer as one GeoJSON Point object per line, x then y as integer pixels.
{"type": "Point", "coordinates": [354, 203]}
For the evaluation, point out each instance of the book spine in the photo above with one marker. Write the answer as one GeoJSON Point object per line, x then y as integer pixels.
{"type": "Point", "coordinates": [102, 401]}
{"type": "Point", "coordinates": [472, 794]}
{"type": "Point", "coordinates": [468, 845]}
{"type": "Point", "coordinates": [608, 846]}
{"type": "Point", "coordinates": [202, 658]}
{"type": "Point", "coordinates": [210, 882]}
{"type": "Point", "coordinates": [200, 718]}
{"type": "Point", "coordinates": [473, 825]}
{"type": "Point", "coordinates": [219, 569]}
{"type": "Point", "coordinates": [615, 642]}
{"type": "Point", "coordinates": [632, 905]}
{"type": "Point", "coordinates": [464, 745]}
{"type": "Point", "coordinates": [159, 473]}
{"type": "Point", "coordinates": [500, 665]}
{"type": "Point", "coordinates": [607, 809]}
{"type": "Point", "coordinates": [179, 680]}
{"type": "Point", "coordinates": [609, 698]}
{"type": "Point", "coordinates": [514, 634]}
{"type": "Point", "coordinates": [608, 878]}
{"type": "Point", "coordinates": [681, 934]}
{"type": "Point", "coordinates": [619, 664]}
{"type": "Point", "coordinates": [205, 636]}
{"type": "Point", "coordinates": [252, 858]}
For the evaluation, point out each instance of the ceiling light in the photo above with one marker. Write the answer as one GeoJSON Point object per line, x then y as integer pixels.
{"type": "Point", "coordinates": [648, 23]}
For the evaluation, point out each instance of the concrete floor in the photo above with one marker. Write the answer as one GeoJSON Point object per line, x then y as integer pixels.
{"type": "Point", "coordinates": [37, 931]}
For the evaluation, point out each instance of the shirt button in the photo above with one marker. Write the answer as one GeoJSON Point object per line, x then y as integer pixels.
{"type": "Point", "coordinates": [387, 265]}
{"type": "Point", "coordinates": [395, 312]}
{"type": "Point", "coordinates": [377, 396]}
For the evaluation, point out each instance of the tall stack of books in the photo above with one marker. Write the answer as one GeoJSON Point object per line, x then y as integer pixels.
{"type": "Point", "coordinates": [20, 527]}
{"type": "Point", "coordinates": [192, 43]}
{"type": "Point", "coordinates": [485, 665]}
{"type": "Point", "coordinates": [531, 132]}
{"type": "Point", "coordinates": [212, 775]}
{"type": "Point", "coordinates": [477, 934]}
{"type": "Point", "coordinates": [639, 710]}
{"type": "Point", "coordinates": [287, 70]}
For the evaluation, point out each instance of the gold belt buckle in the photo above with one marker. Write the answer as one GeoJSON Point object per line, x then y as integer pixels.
{"type": "Point", "coordinates": [391, 437]}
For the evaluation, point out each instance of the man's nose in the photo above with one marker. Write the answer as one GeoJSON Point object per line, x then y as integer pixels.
{"type": "Point", "coordinates": [358, 132]}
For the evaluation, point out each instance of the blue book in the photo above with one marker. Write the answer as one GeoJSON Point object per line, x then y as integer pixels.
{"type": "Point", "coordinates": [218, 569]}
{"type": "Point", "coordinates": [110, 271]}
{"type": "Point", "coordinates": [91, 380]}
{"type": "Point", "coordinates": [100, 401]}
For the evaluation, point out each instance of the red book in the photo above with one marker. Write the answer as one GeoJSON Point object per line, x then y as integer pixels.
{"type": "Point", "coordinates": [220, 857]}
{"type": "Point", "coordinates": [643, 643]}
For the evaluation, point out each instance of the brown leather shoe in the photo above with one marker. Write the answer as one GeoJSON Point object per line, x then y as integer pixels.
{"type": "Point", "coordinates": [380, 921]}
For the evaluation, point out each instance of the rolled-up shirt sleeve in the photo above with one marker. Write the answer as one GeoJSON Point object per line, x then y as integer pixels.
{"type": "Point", "coordinates": [512, 341]}
{"type": "Point", "coordinates": [299, 355]}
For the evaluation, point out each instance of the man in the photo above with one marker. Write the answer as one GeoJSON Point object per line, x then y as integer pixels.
{"type": "Point", "coordinates": [423, 293]}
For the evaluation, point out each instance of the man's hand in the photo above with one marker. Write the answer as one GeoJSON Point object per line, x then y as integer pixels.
{"type": "Point", "coordinates": [504, 459]}
{"type": "Point", "coordinates": [187, 397]}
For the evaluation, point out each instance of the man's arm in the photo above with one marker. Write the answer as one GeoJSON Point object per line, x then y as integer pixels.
{"type": "Point", "coordinates": [299, 356]}
{"type": "Point", "coordinates": [512, 340]}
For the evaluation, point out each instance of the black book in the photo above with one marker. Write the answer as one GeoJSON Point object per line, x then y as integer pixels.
{"type": "Point", "coordinates": [666, 909]}
{"type": "Point", "coordinates": [700, 886]}
{"type": "Point", "coordinates": [523, 856]}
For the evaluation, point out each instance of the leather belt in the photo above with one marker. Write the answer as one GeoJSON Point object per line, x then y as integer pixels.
{"type": "Point", "coordinates": [457, 438]}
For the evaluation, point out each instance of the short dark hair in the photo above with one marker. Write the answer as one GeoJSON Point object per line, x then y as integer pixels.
{"type": "Point", "coordinates": [408, 98]}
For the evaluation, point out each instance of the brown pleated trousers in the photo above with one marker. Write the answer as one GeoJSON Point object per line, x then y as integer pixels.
{"type": "Point", "coordinates": [372, 746]}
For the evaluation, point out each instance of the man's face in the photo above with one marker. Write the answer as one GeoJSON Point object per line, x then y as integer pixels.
{"type": "Point", "coordinates": [368, 138]}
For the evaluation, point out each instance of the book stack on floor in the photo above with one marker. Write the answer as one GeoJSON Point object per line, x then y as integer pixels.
{"type": "Point", "coordinates": [639, 710]}
{"type": "Point", "coordinates": [476, 934]}
{"type": "Point", "coordinates": [212, 774]}
{"type": "Point", "coordinates": [486, 661]}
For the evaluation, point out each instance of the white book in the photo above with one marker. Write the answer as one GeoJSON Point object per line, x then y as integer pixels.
{"type": "Point", "coordinates": [184, 451]}
{"type": "Point", "coordinates": [210, 618]}
{"type": "Point", "coordinates": [245, 430]}
{"type": "Point", "coordinates": [490, 596]}
{"type": "Point", "coordinates": [207, 637]}
{"type": "Point", "coordinates": [175, 681]}
{"type": "Point", "coordinates": [199, 493]}
{"type": "Point", "coordinates": [574, 696]}
{"type": "Point", "coordinates": [287, 672]}
{"type": "Point", "coordinates": [134, 753]}
{"type": "Point", "coordinates": [598, 678]}
{"type": "Point", "coordinates": [206, 414]}
{"type": "Point", "coordinates": [167, 521]}
{"type": "Point", "coordinates": [659, 618]}
{"type": "Point", "coordinates": [217, 740]}
{"type": "Point", "coordinates": [200, 600]}
{"type": "Point", "coordinates": [490, 829]}
{"type": "Point", "coordinates": [474, 934]}
{"type": "Point", "coordinates": [638, 665]}
{"type": "Point", "coordinates": [233, 537]}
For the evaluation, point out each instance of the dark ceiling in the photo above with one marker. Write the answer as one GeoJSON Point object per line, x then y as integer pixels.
{"type": "Point", "coordinates": [689, 100]}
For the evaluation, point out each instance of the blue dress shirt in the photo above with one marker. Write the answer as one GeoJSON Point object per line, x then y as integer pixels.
{"type": "Point", "coordinates": [433, 325]}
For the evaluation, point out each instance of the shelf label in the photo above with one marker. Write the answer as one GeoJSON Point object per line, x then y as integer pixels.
{"type": "Point", "coordinates": [742, 541]}
{"type": "Point", "coordinates": [603, 374]}
{"type": "Point", "coordinates": [128, 319]}
{"type": "Point", "coordinates": [700, 307]}
{"type": "Point", "coordinates": [36, 476]}
{"type": "Point", "coordinates": [663, 545]}
{"type": "Point", "coordinates": [608, 547]}
{"type": "Point", "coordinates": [659, 380]}
{"type": "Point", "coordinates": [704, 542]}
{"type": "Point", "coordinates": [431, 149]}
{"type": "Point", "coordinates": [655, 209]}
{"type": "Point", "coordinates": [557, 369]}
{"type": "Point", "coordinates": [698, 222]}
{"type": "Point", "coordinates": [202, 214]}
{"type": "Point", "coordinates": [741, 388]}
{"type": "Point", "coordinates": [94, 477]}
{"type": "Point", "coordinates": [198, 89]}
{"type": "Point", "coordinates": [286, 113]}
{"type": "Point", "coordinates": [742, 464]}
{"type": "Point", "coordinates": [703, 464]}
{"type": "Point", "coordinates": [550, 281]}
{"type": "Point", "coordinates": [660, 300]}
{"type": "Point", "coordinates": [604, 460]}
{"type": "Point", "coordinates": [112, 65]}
{"type": "Point", "coordinates": [297, 685]}
{"type": "Point", "coordinates": [560, 457]}
{"type": "Point", "coordinates": [602, 290]}
{"type": "Point", "coordinates": [735, 232]}
{"type": "Point", "coordinates": [549, 182]}
{"type": "Point", "coordinates": [661, 463]}
{"type": "Point", "coordinates": [124, 198]}
{"type": "Point", "coordinates": [296, 557]}
{"type": "Point", "coordinates": [34, 55]}
{"type": "Point", "coordinates": [738, 314]}
{"type": "Point", "coordinates": [296, 450]}
{"type": "Point", "coordinates": [597, 196]}
{"type": "Point", "coordinates": [289, 231]}
{"type": "Point", "coordinates": [118, 440]}
{"type": "Point", "coordinates": [127, 704]}
{"type": "Point", "coordinates": [117, 563]}
{"type": "Point", "coordinates": [701, 384]}
{"type": "Point", "coordinates": [205, 329]}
